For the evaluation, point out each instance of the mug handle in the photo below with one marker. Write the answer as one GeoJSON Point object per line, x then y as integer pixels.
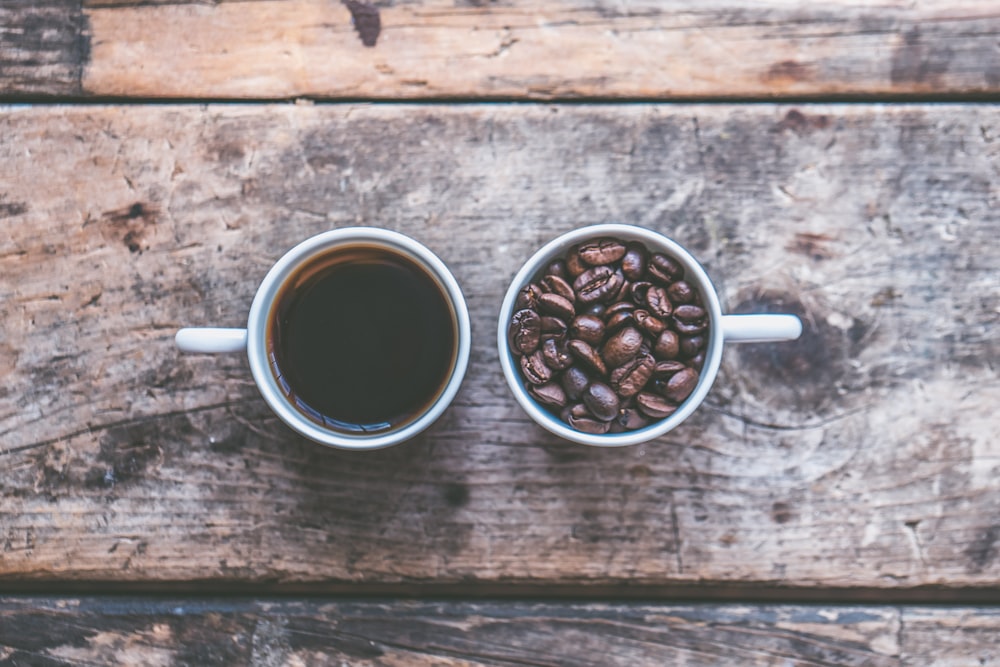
{"type": "Point", "coordinates": [211, 340]}
{"type": "Point", "coordinates": [760, 328]}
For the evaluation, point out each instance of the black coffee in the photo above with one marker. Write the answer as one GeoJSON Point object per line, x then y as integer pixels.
{"type": "Point", "coordinates": [362, 340]}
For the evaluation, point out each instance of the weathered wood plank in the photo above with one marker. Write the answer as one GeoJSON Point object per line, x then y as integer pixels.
{"type": "Point", "coordinates": [43, 46]}
{"type": "Point", "coordinates": [181, 632]}
{"type": "Point", "coordinates": [861, 455]}
{"type": "Point", "coordinates": [440, 48]}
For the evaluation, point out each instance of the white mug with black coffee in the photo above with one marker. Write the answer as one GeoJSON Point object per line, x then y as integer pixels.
{"type": "Point", "coordinates": [357, 338]}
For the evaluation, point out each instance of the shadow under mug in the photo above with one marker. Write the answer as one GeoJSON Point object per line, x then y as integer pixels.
{"type": "Point", "coordinates": [256, 341]}
{"type": "Point", "coordinates": [722, 328]}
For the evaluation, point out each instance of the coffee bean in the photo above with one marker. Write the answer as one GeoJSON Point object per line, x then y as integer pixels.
{"type": "Point", "coordinates": [667, 345]}
{"type": "Point", "coordinates": [588, 355]}
{"type": "Point", "coordinates": [689, 328]}
{"type": "Point", "coordinates": [630, 378]}
{"type": "Point", "coordinates": [619, 307]}
{"type": "Point", "coordinates": [553, 327]}
{"type": "Point", "coordinates": [680, 293]}
{"type": "Point", "coordinates": [574, 382]}
{"type": "Point", "coordinates": [556, 354]}
{"type": "Point", "coordinates": [602, 401]}
{"type": "Point", "coordinates": [663, 269]}
{"type": "Point", "coordinates": [654, 406]}
{"type": "Point", "coordinates": [622, 346]}
{"type": "Point", "coordinates": [691, 345]}
{"type": "Point", "coordinates": [658, 302]}
{"type": "Point", "coordinates": [653, 326]}
{"type": "Point", "coordinates": [601, 252]}
{"type": "Point", "coordinates": [534, 369]}
{"type": "Point", "coordinates": [556, 285]}
{"type": "Point", "coordinates": [557, 268]}
{"type": "Point", "coordinates": [587, 425]}
{"type": "Point", "coordinates": [549, 393]}
{"type": "Point", "coordinates": [631, 419]}
{"type": "Point", "coordinates": [528, 297]}
{"type": "Point", "coordinates": [596, 309]}
{"type": "Point", "coordinates": [620, 320]}
{"type": "Point", "coordinates": [524, 331]}
{"type": "Point", "coordinates": [664, 369]}
{"type": "Point", "coordinates": [634, 261]}
{"type": "Point", "coordinates": [689, 313]}
{"type": "Point", "coordinates": [638, 291]}
{"type": "Point", "coordinates": [558, 306]}
{"type": "Point", "coordinates": [681, 385]}
{"type": "Point", "coordinates": [574, 265]}
{"type": "Point", "coordinates": [588, 328]}
{"type": "Point", "coordinates": [697, 362]}
{"type": "Point", "coordinates": [599, 283]}
{"type": "Point", "coordinates": [624, 290]}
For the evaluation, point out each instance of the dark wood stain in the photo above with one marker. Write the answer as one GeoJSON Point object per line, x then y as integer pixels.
{"type": "Point", "coordinates": [45, 47]}
{"type": "Point", "coordinates": [812, 245]}
{"type": "Point", "coordinates": [9, 209]}
{"type": "Point", "coordinates": [788, 71]}
{"type": "Point", "coordinates": [801, 123]}
{"type": "Point", "coordinates": [983, 551]}
{"type": "Point", "coordinates": [367, 21]}
{"type": "Point", "coordinates": [919, 61]}
{"type": "Point", "coordinates": [130, 225]}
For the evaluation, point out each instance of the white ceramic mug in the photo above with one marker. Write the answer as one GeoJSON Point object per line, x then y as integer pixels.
{"type": "Point", "coordinates": [253, 339]}
{"type": "Point", "coordinates": [722, 328]}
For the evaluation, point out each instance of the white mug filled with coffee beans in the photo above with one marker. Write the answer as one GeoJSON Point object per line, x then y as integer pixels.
{"type": "Point", "coordinates": [612, 335]}
{"type": "Point", "coordinates": [357, 338]}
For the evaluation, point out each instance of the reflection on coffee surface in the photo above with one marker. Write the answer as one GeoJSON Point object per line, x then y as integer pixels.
{"type": "Point", "coordinates": [362, 339]}
{"type": "Point", "coordinates": [610, 337]}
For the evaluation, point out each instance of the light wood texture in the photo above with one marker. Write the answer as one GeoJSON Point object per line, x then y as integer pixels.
{"type": "Point", "coordinates": [111, 631]}
{"type": "Point", "coordinates": [479, 49]}
{"type": "Point", "coordinates": [862, 455]}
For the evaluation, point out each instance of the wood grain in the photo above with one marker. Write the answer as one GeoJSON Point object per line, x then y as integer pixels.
{"type": "Point", "coordinates": [270, 49]}
{"type": "Point", "coordinates": [43, 47]}
{"type": "Point", "coordinates": [111, 631]}
{"type": "Point", "coordinates": [862, 455]}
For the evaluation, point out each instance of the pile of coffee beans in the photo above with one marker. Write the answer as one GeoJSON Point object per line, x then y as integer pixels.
{"type": "Point", "coordinates": [610, 338]}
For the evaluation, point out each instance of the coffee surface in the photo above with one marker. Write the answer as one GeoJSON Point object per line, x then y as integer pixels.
{"type": "Point", "coordinates": [363, 340]}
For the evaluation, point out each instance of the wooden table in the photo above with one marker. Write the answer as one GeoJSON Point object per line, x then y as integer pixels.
{"type": "Point", "coordinates": [835, 501]}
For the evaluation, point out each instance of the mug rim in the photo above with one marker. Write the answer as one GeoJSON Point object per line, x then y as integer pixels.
{"type": "Point", "coordinates": [275, 278]}
{"type": "Point", "coordinates": [654, 241]}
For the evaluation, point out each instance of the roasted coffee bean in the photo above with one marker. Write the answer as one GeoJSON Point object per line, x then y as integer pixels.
{"type": "Point", "coordinates": [556, 354]}
{"type": "Point", "coordinates": [618, 307]}
{"type": "Point", "coordinates": [558, 306]}
{"type": "Point", "coordinates": [534, 369]}
{"type": "Point", "coordinates": [553, 327]}
{"type": "Point", "coordinates": [657, 302]}
{"type": "Point", "coordinates": [588, 328]}
{"type": "Point", "coordinates": [631, 419]}
{"type": "Point", "coordinates": [664, 369]}
{"type": "Point", "coordinates": [697, 362]}
{"type": "Point", "coordinates": [681, 385]}
{"type": "Point", "coordinates": [689, 313]}
{"type": "Point", "coordinates": [574, 265]}
{"type": "Point", "coordinates": [596, 309]}
{"type": "Point", "coordinates": [663, 269]}
{"type": "Point", "coordinates": [601, 252]}
{"type": "Point", "coordinates": [634, 261]}
{"type": "Point", "coordinates": [620, 320]}
{"type": "Point", "coordinates": [653, 326]}
{"type": "Point", "coordinates": [624, 291]}
{"type": "Point", "coordinates": [528, 297]}
{"type": "Point", "coordinates": [630, 378]}
{"type": "Point", "coordinates": [621, 346]}
{"type": "Point", "coordinates": [602, 401]}
{"type": "Point", "coordinates": [524, 331]}
{"type": "Point", "coordinates": [654, 406]}
{"type": "Point", "coordinates": [574, 381]}
{"type": "Point", "coordinates": [599, 283]}
{"type": "Point", "coordinates": [588, 425]}
{"type": "Point", "coordinates": [667, 345]}
{"type": "Point", "coordinates": [549, 393]}
{"type": "Point", "coordinates": [588, 355]}
{"type": "Point", "coordinates": [556, 285]}
{"type": "Point", "coordinates": [557, 268]}
{"type": "Point", "coordinates": [689, 328]}
{"type": "Point", "coordinates": [691, 345]}
{"type": "Point", "coordinates": [680, 293]}
{"type": "Point", "coordinates": [639, 290]}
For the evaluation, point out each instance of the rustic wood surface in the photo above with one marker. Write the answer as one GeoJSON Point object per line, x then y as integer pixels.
{"type": "Point", "coordinates": [862, 455]}
{"type": "Point", "coordinates": [473, 48]}
{"type": "Point", "coordinates": [110, 631]}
